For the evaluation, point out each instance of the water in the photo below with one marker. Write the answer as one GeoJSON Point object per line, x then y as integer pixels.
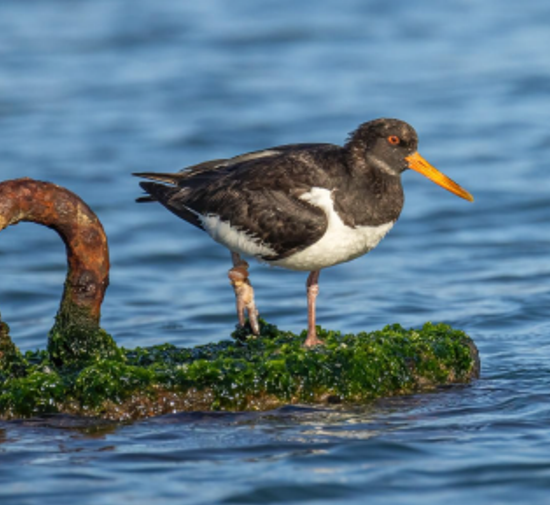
{"type": "Point", "coordinates": [91, 91]}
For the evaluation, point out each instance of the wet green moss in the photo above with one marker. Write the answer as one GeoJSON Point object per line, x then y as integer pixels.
{"type": "Point", "coordinates": [76, 338]}
{"type": "Point", "coordinates": [36, 393]}
{"type": "Point", "coordinates": [12, 363]}
{"type": "Point", "coordinates": [244, 374]}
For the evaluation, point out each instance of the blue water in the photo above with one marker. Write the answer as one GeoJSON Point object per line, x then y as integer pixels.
{"type": "Point", "coordinates": [91, 91]}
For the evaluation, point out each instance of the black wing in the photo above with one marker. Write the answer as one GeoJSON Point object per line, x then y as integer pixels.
{"type": "Point", "coordinates": [258, 193]}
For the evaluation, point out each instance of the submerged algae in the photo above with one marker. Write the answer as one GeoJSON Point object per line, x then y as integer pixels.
{"type": "Point", "coordinates": [246, 374]}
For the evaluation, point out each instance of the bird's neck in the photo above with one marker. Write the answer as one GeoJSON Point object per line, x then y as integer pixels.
{"type": "Point", "coordinates": [372, 189]}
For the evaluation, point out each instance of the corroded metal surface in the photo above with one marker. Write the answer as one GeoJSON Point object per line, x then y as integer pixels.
{"type": "Point", "coordinates": [79, 228]}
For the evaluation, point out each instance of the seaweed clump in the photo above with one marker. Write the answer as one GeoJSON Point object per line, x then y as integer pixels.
{"type": "Point", "coordinates": [244, 374]}
{"type": "Point", "coordinates": [77, 339]}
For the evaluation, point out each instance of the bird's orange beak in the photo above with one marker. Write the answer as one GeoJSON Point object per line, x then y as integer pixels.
{"type": "Point", "coordinates": [419, 164]}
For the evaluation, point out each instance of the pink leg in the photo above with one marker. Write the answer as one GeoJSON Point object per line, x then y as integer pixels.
{"type": "Point", "coordinates": [312, 292]}
{"type": "Point", "coordinates": [244, 293]}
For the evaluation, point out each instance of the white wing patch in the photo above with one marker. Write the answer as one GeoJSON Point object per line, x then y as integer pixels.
{"type": "Point", "coordinates": [339, 244]}
{"type": "Point", "coordinates": [234, 239]}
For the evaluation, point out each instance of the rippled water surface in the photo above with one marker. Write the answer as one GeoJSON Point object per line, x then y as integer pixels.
{"type": "Point", "coordinates": [91, 91]}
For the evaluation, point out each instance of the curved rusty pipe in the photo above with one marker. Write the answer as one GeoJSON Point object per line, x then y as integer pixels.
{"type": "Point", "coordinates": [79, 228]}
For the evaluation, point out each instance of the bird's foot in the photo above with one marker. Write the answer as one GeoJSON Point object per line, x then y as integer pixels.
{"type": "Point", "coordinates": [244, 294]}
{"type": "Point", "coordinates": [312, 340]}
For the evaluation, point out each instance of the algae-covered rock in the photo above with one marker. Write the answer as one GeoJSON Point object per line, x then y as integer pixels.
{"type": "Point", "coordinates": [245, 374]}
{"type": "Point", "coordinates": [76, 338]}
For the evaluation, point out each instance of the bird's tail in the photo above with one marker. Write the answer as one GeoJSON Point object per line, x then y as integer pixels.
{"type": "Point", "coordinates": [161, 177]}
{"type": "Point", "coordinates": [172, 197]}
{"type": "Point", "coordinates": [145, 199]}
{"type": "Point", "coordinates": [156, 192]}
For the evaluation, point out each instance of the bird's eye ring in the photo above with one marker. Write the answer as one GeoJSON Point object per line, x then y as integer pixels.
{"type": "Point", "coordinates": [393, 140]}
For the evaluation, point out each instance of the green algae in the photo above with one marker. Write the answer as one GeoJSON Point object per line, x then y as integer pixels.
{"type": "Point", "coordinates": [76, 338]}
{"type": "Point", "coordinates": [12, 363]}
{"type": "Point", "coordinates": [247, 373]}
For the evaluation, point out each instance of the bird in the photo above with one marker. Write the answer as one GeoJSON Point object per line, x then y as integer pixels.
{"type": "Point", "coordinates": [303, 207]}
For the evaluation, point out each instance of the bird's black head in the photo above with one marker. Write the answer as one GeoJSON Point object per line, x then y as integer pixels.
{"type": "Point", "coordinates": [390, 146]}
{"type": "Point", "coordinates": [384, 144]}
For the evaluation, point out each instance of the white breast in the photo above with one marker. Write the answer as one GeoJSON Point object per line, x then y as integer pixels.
{"type": "Point", "coordinates": [339, 244]}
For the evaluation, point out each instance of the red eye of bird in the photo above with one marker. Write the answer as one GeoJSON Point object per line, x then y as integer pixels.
{"type": "Point", "coordinates": [393, 139]}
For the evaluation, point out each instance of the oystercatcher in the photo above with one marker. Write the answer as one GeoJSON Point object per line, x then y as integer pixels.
{"type": "Point", "coordinates": [301, 206]}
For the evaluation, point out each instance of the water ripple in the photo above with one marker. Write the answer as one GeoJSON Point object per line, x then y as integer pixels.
{"type": "Point", "coordinates": [95, 92]}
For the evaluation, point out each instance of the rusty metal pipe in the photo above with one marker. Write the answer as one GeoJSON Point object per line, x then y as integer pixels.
{"type": "Point", "coordinates": [81, 231]}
